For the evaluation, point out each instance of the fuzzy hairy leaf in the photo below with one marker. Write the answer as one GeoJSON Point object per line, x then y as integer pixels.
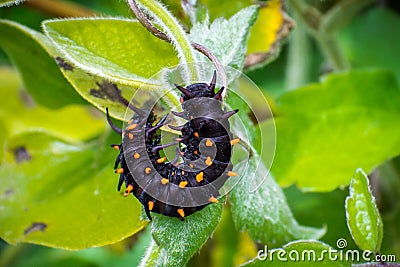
{"type": "Point", "coordinates": [264, 212]}
{"type": "Point", "coordinates": [227, 39]}
{"type": "Point", "coordinates": [363, 218]}
{"type": "Point", "coordinates": [10, 2]}
{"type": "Point", "coordinates": [177, 241]}
{"type": "Point", "coordinates": [120, 50]}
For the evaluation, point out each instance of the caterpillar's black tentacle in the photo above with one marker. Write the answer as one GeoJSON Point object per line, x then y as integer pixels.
{"type": "Point", "coordinates": [131, 106]}
{"type": "Point", "coordinates": [213, 81]}
{"type": "Point", "coordinates": [206, 141]}
{"type": "Point", "coordinates": [176, 128]}
{"type": "Point", "coordinates": [112, 125]}
{"type": "Point", "coordinates": [229, 114]}
{"type": "Point", "coordinates": [179, 114]}
{"type": "Point", "coordinates": [219, 93]}
{"type": "Point", "coordinates": [160, 147]}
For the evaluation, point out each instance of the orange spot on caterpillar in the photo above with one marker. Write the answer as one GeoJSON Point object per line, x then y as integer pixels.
{"type": "Point", "coordinates": [235, 141]}
{"type": "Point", "coordinates": [183, 184]}
{"type": "Point", "coordinates": [208, 161]}
{"type": "Point", "coordinates": [199, 177]}
{"type": "Point", "coordinates": [131, 127]}
{"type": "Point", "coordinates": [151, 205]}
{"type": "Point", "coordinates": [128, 190]}
{"type": "Point", "coordinates": [181, 212]}
{"type": "Point", "coordinates": [213, 199]}
{"type": "Point", "coordinates": [209, 142]}
{"type": "Point", "coordinates": [161, 160]}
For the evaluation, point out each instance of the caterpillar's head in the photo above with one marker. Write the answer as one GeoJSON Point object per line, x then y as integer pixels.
{"type": "Point", "coordinates": [200, 90]}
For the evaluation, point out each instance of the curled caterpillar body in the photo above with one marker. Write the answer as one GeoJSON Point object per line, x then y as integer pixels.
{"type": "Point", "coordinates": [174, 188]}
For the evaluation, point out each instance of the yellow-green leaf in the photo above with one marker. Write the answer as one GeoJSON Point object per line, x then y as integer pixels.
{"type": "Point", "coordinates": [120, 50]}
{"type": "Point", "coordinates": [62, 195]}
{"type": "Point", "coordinates": [363, 218]}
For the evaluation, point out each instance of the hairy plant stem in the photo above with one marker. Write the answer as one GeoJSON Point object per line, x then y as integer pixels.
{"type": "Point", "coordinates": [173, 30]}
{"type": "Point", "coordinates": [161, 35]}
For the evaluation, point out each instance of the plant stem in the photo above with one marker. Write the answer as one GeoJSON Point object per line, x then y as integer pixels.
{"type": "Point", "coordinates": [298, 65]}
{"type": "Point", "coordinates": [330, 48]}
{"type": "Point", "coordinates": [176, 33]}
{"type": "Point", "coordinates": [342, 13]}
{"type": "Point", "coordinates": [326, 40]}
{"type": "Point", "coordinates": [161, 35]}
{"type": "Point", "coordinates": [60, 8]}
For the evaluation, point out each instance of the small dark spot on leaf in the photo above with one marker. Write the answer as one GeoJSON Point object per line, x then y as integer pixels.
{"type": "Point", "coordinates": [21, 154]}
{"type": "Point", "coordinates": [63, 64]}
{"type": "Point", "coordinates": [107, 90]}
{"type": "Point", "coordinates": [27, 99]}
{"type": "Point", "coordinates": [36, 226]}
{"type": "Point", "coordinates": [8, 192]}
{"type": "Point", "coordinates": [97, 93]}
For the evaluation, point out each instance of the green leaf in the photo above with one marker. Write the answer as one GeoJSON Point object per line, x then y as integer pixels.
{"type": "Point", "coordinates": [177, 241]}
{"type": "Point", "coordinates": [119, 50]}
{"type": "Point", "coordinates": [300, 253]}
{"type": "Point", "coordinates": [227, 39]}
{"type": "Point", "coordinates": [325, 131]}
{"type": "Point", "coordinates": [263, 212]}
{"type": "Point", "coordinates": [10, 2]}
{"type": "Point", "coordinates": [369, 40]}
{"type": "Point", "coordinates": [18, 114]}
{"type": "Point", "coordinates": [310, 208]}
{"type": "Point", "coordinates": [3, 136]}
{"type": "Point", "coordinates": [62, 195]}
{"type": "Point", "coordinates": [100, 92]}
{"type": "Point", "coordinates": [39, 71]}
{"type": "Point", "coordinates": [363, 218]}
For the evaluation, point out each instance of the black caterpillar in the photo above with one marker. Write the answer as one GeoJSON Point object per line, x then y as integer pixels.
{"type": "Point", "coordinates": [169, 188]}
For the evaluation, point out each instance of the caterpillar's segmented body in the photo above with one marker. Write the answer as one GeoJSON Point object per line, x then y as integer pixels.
{"type": "Point", "coordinates": [171, 188]}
